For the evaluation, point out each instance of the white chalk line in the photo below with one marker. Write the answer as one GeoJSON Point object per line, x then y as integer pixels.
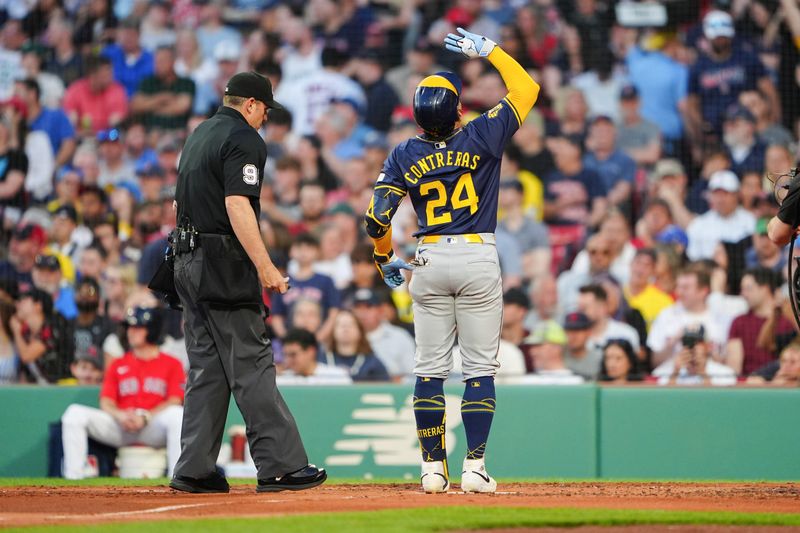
{"type": "Point", "coordinates": [163, 509]}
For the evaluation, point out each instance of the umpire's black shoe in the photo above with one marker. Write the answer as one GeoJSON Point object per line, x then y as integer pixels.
{"type": "Point", "coordinates": [211, 484]}
{"type": "Point", "coordinates": [307, 477]}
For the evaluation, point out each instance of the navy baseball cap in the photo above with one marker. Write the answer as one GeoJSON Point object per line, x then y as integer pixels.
{"type": "Point", "coordinates": [577, 322]}
{"type": "Point", "coordinates": [252, 85]}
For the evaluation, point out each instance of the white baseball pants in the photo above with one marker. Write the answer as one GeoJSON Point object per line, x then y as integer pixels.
{"type": "Point", "coordinates": [80, 422]}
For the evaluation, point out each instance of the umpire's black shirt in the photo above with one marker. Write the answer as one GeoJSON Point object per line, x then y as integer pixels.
{"type": "Point", "coordinates": [223, 157]}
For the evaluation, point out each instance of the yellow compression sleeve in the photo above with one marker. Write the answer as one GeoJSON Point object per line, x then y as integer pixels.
{"type": "Point", "coordinates": [522, 89]}
{"type": "Point", "coordinates": [797, 42]}
{"type": "Point", "coordinates": [383, 244]}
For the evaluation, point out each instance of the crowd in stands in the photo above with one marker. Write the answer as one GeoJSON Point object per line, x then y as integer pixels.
{"type": "Point", "coordinates": [633, 202]}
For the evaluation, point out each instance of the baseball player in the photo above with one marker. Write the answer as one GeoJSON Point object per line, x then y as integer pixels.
{"type": "Point", "coordinates": [452, 175]}
{"type": "Point", "coordinates": [140, 400]}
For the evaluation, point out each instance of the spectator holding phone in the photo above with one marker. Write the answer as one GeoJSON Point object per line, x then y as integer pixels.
{"type": "Point", "coordinates": [693, 364]}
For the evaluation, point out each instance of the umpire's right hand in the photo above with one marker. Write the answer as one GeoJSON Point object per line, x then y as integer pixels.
{"type": "Point", "coordinates": [272, 279]}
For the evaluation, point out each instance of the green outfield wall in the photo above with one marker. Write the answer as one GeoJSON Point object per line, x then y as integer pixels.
{"type": "Point", "coordinates": [538, 432]}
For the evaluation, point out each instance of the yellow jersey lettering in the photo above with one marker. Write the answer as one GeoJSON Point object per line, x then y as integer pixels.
{"type": "Point", "coordinates": [429, 158]}
{"type": "Point", "coordinates": [439, 159]}
{"type": "Point", "coordinates": [475, 159]}
{"type": "Point", "coordinates": [458, 158]}
{"type": "Point", "coordinates": [416, 171]}
{"type": "Point", "coordinates": [449, 158]}
{"type": "Point", "coordinates": [423, 166]}
{"type": "Point", "coordinates": [412, 181]}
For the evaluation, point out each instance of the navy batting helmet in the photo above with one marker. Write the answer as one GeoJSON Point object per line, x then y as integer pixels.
{"type": "Point", "coordinates": [436, 103]}
{"type": "Point", "coordinates": [146, 317]}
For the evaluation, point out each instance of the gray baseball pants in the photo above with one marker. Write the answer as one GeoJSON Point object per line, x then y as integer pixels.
{"type": "Point", "coordinates": [457, 294]}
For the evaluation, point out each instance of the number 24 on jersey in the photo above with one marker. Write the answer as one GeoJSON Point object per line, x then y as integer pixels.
{"type": "Point", "coordinates": [463, 196]}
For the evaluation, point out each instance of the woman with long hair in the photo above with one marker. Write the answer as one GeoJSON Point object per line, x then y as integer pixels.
{"type": "Point", "coordinates": [350, 349]}
{"type": "Point", "coordinates": [620, 364]}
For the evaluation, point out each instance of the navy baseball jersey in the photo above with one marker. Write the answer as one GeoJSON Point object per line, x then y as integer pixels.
{"type": "Point", "coordinates": [453, 183]}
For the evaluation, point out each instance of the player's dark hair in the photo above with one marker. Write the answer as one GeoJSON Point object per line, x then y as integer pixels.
{"type": "Point", "coordinates": [300, 336]}
{"type": "Point", "coordinates": [764, 277]}
{"type": "Point", "coordinates": [598, 291]}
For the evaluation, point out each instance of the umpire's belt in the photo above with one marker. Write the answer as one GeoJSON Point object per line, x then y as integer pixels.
{"type": "Point", "coordinates": [464, 238]}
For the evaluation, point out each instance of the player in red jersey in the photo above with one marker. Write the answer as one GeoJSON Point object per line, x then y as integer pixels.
{"type": "Point", "coordinates": [140, 400]}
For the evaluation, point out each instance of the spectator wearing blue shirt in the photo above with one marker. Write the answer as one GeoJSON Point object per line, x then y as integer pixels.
{"type": "Point", "coordinates": [717, 79]}
{"type": "Point", "coordinates": [131, 63]}
{"type": "Point", "coordinates": [574, 195]}
{"type": "Point", "coordinates": [53, 122]}
{"type": "Point", "coordinates": [306, 284]}
{"type": "Point", "coordinates": [617, 170]}
{"type": "Point", "coordinates": [661, 83]}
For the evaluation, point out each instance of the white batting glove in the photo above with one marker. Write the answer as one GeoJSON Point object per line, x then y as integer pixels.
{"type": "Point", "coordinates": [470, 44]}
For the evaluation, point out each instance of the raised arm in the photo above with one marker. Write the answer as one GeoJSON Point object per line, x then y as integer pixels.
{"type": "Point", "coordinates": [522, 90]}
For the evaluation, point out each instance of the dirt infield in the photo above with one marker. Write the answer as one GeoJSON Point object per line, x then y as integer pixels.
{"type": "Point", "coordinates": [82, 505]}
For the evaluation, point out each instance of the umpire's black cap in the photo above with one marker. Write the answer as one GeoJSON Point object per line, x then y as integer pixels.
{"type": "Point", "coordinates": [252, 85]}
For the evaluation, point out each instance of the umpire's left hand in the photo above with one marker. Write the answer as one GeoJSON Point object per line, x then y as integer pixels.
{"type": "Point", "coordinates": [272, 279]}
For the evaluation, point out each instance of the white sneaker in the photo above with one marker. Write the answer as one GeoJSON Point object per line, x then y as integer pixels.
{"type": "Point", "coordinates": [474, 477]}
{"type": "Point", "coordinates": [434, 477]}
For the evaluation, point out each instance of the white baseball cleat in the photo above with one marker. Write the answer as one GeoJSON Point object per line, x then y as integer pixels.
{"type": "Point", "coordinates": [474, 477]}
{"type": "Point", "coordinates": [434, 477]}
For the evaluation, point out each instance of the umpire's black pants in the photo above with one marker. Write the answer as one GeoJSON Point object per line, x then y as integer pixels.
{"type": "Point", "coordinates": [229, 352]}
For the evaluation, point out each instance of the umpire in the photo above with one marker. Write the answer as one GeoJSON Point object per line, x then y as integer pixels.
{"type": "Point", "coordinates": [221, 264]}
